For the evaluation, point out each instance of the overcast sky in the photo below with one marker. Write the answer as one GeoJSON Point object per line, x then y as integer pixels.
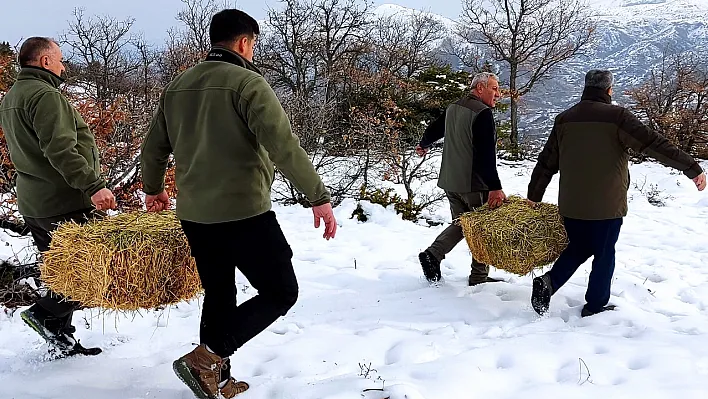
{"type": "Point", "coordinates": [25, 18]}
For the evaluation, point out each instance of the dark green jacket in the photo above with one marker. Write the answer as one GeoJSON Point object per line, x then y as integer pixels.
{"type": "Point", "coordinates": [50, 145]}
{"type": "Point", "coordinates": [226, 129]}
{"type": "Point", "coordinates": [588, 145]}
{"type": "Point", "coordinates": [469, 151]}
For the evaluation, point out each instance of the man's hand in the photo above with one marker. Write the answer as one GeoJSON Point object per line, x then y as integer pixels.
{"type": "Point", "coordinates": [104, 200]}
{"type": "Point", "coordinates": [157, 203]}
{"type": "Point", "coordinates": [700, 181]}
{"type": "Point", "coordinates": [531, 203]}
{"type": "Point", "coordinates": [496, 198]}
{"type": "Point", "coordinates": [421, 151]}
{"type": "Point", "coordinates": [325, 212]}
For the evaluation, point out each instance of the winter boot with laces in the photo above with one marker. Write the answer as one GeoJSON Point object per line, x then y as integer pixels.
{"type": "Point", "coordinates": [202, 372]}
{"type": "Point", "coordinates": [229, 386]}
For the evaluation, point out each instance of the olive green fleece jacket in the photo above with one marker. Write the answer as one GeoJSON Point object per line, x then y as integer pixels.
{"type": "Point", "coordinates": [227, 130]}
{"type": "Point", "coordinates": [50, 145]}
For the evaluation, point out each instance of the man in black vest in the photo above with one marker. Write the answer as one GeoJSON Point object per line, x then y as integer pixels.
{"type": "Point", "coordinates": [468, 173]}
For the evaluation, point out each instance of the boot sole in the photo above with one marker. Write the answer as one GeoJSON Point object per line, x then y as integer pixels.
{"type": "Point", "coordinates": [538, 297]}
{"type": "Point", "coordinates": [62, 351]}
{"type": "Point", "coordinates": [42, 332]}
{"type": "Point", "coordinates": [185, 375]}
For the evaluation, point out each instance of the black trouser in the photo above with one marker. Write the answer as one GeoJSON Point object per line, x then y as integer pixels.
{"type": "Point", "coordinates": [259, 249]}
{"type": "Point", "coordinates": [41, 228]}
{"type": "Point", "coordinates": [586, 238]}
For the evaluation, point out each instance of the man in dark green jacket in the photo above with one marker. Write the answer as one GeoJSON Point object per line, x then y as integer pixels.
{"type": "Point", "coordinates": [588, 146]}
{"type": "Point", "coordinates": [58, 172]}
{"type": "Point", "coordinates": [468, 172]}
{"type": "Point", "coordinates": [226, 129]}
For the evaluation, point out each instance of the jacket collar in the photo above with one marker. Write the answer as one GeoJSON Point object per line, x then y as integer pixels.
{"type": "Point", "coordinates": [226, 55]}
{"type": "Point", "coordinates": [32, 72]}
{"type": "Point", "coordinates": [596, 94]}
{"type": "Point", "coordinates": [472, 96]}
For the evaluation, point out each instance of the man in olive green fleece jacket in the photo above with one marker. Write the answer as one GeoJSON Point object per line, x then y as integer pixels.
{"type": "Point", "coordinates": [58, 171]}
{"type": "Point", "coordinates": [588, 146]}
{"type": "Point", "coordinates": [226, 129]}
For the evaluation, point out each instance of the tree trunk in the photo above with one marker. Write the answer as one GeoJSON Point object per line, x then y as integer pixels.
{"type": "Point", "coordinates": [514, 135]}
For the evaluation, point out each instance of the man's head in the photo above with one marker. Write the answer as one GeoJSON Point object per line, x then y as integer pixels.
{"type": "Point", "coordinates": [234, 30]}
{"type": "Point", "coordinates": [599, 79]}
{"type": "Point", "coordinates": [42, 52]}
{"type": "Point", "coordinates": [485, 85]}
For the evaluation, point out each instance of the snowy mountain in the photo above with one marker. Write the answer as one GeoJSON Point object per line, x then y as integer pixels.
{"type": "Point", "coordinates": [631, 37]}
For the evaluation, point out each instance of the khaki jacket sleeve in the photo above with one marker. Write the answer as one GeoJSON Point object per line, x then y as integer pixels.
{"type": "Point", "coordinates": [155, 153]}
{"type": "Point", "coordinates": [267, 119]}
{"type": "Point", "coordinates": [546, 166]}
{"type": "Point", "coordinates": [53, 120]}
{"type": "Point", "coordinates": [637, 136]}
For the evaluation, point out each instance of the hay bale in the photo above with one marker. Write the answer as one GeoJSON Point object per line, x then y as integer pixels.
{"type": "Point", "coordinates": [127, 262]}
{"type": "Point", "coordinates": [515, 237]}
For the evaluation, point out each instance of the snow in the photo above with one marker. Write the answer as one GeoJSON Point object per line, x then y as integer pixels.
{"type": "Point", "coordinates": [365, 306]}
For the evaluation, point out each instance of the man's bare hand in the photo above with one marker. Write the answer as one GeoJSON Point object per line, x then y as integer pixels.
{"type": "Point", "coordinates": [104, 200]}
{"type": "Point", "coordinates": [531, 203]}
{"type": "Point", "coordinates": [496, 198]}
{"type": "Point", "coordinates": [325, 213]}
{"type": "Point", "coordinates": [421, 151]}
{"type": "Point", "coordinates": [700, 181]}
{"type": "Point", "coordinates": [157, 203]}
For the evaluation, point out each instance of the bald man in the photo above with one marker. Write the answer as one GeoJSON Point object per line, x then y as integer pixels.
{"type": "Point", "coordinates": [58, 173]}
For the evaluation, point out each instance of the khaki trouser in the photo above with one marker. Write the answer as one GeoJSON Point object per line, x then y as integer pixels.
{"type": "Point", "coordinates": [452, 235]}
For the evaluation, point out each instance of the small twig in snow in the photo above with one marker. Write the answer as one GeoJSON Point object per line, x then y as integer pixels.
{"type": "Point", "coordinates": [580, 378]}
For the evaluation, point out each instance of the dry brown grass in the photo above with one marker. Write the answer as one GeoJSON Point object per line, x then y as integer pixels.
{"type": "Point", "coordinates": [127, 262]}
{"type": "Point", "coordinates": [515, 237]}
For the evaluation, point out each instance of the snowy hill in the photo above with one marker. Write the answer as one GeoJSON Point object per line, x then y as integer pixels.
{"type": "Point", "coordinates": [366, 319]}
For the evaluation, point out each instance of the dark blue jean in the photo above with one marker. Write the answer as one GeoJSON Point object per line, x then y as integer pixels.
{"type": "Point", "coordinates": [586, 238]}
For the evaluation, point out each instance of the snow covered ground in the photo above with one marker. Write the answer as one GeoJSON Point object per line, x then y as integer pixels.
{"type": "Point", "coordinates": [366, 319]}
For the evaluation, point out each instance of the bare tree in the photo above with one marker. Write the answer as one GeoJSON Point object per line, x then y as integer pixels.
{"type": "Point", "coordinates": [469, 55]}
{"type": "Point", "coordinates": [99, 54]}
{"type": "Point", "coordinates": [674, 101]}
{"type": "Point", "coordinates": [147, 74]}
{"type": "Point", "coordinates": [177, 56]}
{"type": "Point", "coordinates": [118, 81]}
{"type": "Point", "coordinates": [306, 45]}
{"type": "Point", "coordinates": [316, 127]}
{"type": "Point", "coordinates": [341, 28]}
{"type": "Point", "coordinates": [531, 36]}
{"type": "Point", "coordinates": [196, 17]}
{"type": "Point", "coordinates": [406, 44]}
{"type": "Point", "coordinates": [285, 51]}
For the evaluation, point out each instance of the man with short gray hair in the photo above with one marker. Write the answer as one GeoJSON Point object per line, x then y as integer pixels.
{"type": "Point", "coordinates": [468, 173]}
{"type": "Point", "coordinates": [588, 146]}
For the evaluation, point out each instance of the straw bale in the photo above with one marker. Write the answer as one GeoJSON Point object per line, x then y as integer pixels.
{"type": "Point", "coordinates": [515, 237]}
{"type": "Point", "coordinates": [127, 262]}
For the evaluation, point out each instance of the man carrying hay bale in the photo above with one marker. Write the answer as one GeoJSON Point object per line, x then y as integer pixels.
{"type": "Point", "coordinates": [58, 173]}
{"type": "Point", "coordinates": [226, 129]}
{"type": "Point", "coordinates": [587, 145]}
{"type": "Point", "coordinates": [468, 173]}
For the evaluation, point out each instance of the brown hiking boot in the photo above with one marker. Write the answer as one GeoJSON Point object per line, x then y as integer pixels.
{"type": "Point", "coordinates": [200, 370]}
{"type": "Point", "coordinates": [233, 388]}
